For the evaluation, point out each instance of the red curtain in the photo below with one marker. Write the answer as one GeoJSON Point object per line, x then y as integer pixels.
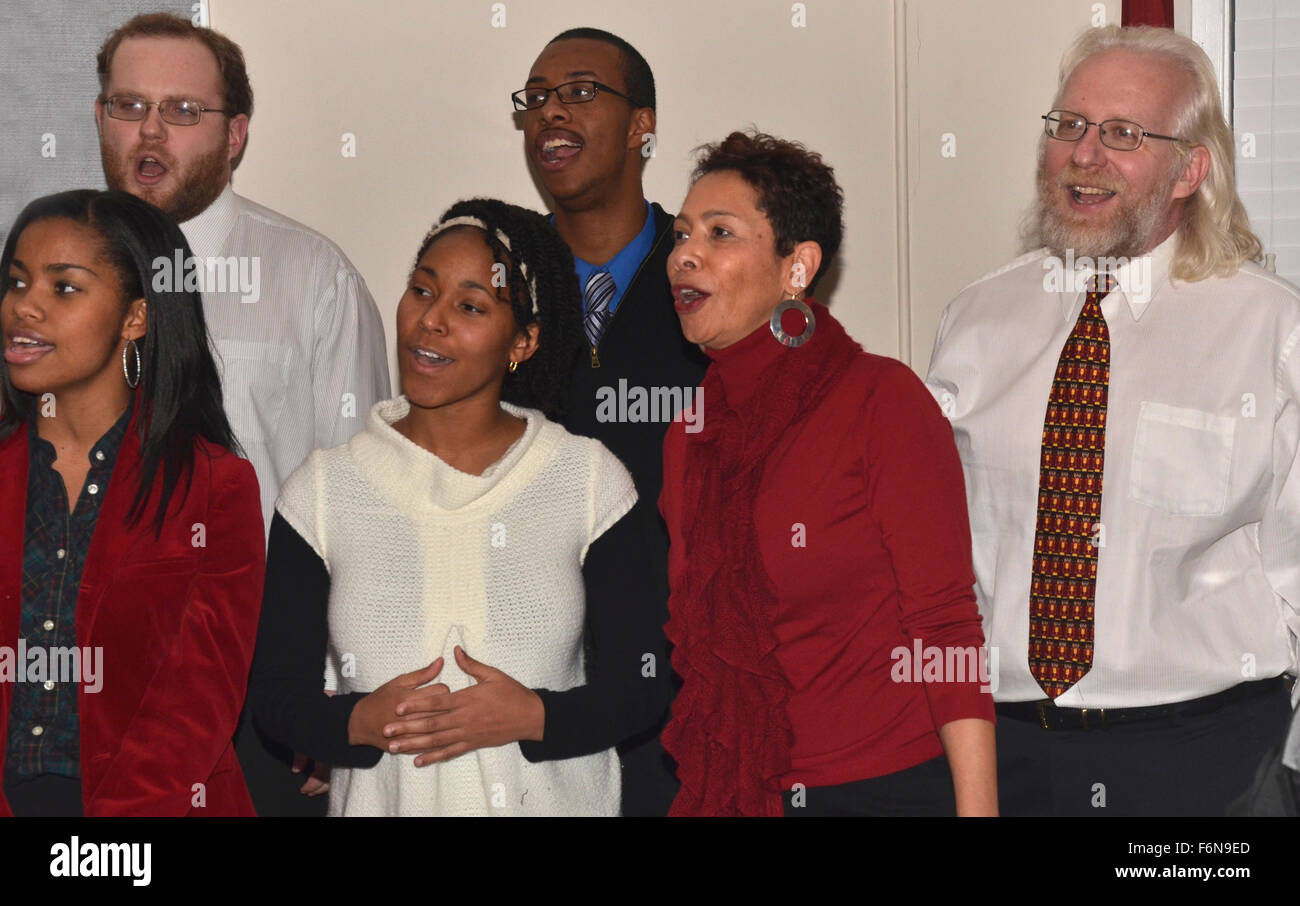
{"type": "Point", "coordinates": [1148, 12]}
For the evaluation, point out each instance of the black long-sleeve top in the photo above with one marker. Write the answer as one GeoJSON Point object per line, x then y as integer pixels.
{"type": "Point", "coordinates": [628, 675]}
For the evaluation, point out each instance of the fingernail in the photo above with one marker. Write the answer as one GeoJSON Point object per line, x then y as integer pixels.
{"type": "Point", "coordinates": [392, 747]}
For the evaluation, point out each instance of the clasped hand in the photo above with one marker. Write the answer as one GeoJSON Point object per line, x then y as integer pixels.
{"type": "Point", "coordinates": [407, 717]}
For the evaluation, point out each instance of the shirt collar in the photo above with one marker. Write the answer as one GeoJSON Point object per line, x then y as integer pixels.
{"type": "Point", "coordinates": [1139, 279]}
{"type": "Point", "coordinates": [42, 451]}
{"type": "Point", "coordinates": [415, 480]}
{"type": "Point", "coordinates": [207, 231]}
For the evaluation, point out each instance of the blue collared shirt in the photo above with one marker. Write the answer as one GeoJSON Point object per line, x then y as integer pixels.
{"type": "Point", "coordinates": [623, 266]}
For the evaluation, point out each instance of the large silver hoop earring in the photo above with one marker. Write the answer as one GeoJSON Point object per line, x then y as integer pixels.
{"type": "Point", "coordinates": [810, 323]}
{"type": "Point", "coordinates": [132, 383]}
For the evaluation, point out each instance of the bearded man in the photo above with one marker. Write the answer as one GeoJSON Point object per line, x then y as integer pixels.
{"type": "Point", "coordinates": [298, 338]}
{"type": "Point", "coordinates": [1126, 403]}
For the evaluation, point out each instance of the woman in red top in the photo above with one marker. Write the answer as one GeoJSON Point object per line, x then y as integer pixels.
{"type": "Point", "coordinates": [822, 611]}
{"type": "Point", "coordinates": [129, 533]}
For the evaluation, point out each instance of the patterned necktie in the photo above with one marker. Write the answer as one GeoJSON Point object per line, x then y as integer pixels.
{"type": "Point", "coordinates": [595, 298]}
{"type": "Point", "coordinates": [1064, 581]}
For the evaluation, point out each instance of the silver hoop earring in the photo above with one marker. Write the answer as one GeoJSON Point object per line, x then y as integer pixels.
{"type": "Point", "coordinates": [125, 372]}
{"type": "Point", "coordinates": [810, 323]}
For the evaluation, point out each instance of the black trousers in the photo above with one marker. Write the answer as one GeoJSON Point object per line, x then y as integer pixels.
{"type": "Point", "coordinates": [923, 790]}
{"type": "Point", "coordinates": [45, 796]}
{"type": "Point", "coordinates": [1171, 767]}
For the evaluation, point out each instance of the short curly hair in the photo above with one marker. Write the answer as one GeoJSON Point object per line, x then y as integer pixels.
{"type": "Point", "coordinates": [542, 381]}
{"type": "Point", "coordinates": [796, 189]}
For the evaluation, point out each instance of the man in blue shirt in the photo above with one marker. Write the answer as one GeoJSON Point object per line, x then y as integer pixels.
{"type": "Point", "coordinates": [589, 128]}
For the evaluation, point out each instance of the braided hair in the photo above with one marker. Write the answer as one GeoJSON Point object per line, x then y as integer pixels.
{"type": "Point", "coordinates": [541, 381]}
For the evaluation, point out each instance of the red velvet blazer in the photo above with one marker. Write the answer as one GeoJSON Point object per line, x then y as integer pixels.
{"type": "Point", "coordinates": [176, 619]}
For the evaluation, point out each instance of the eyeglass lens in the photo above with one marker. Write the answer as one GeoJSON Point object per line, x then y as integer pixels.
{"type": "Point", "coordinates": [1118, 134]}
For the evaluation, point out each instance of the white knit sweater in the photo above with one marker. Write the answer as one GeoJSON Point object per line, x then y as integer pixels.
{"type": "Point", "coordinates": [423, 557]}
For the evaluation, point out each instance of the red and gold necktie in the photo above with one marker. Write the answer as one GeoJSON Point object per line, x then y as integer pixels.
{"type": "Point", "coordinates": [1064, 583]}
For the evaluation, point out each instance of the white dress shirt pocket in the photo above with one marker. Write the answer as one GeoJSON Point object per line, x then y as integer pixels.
{"type": "Point", "coordinates": [1182, 460]}
{"type": "Point", "coordinates": [254, 376]}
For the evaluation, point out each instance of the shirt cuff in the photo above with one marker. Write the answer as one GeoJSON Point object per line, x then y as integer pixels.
{"type": "Point", "coordinates": [343, 753]}
{"type": "Point", "coordinates": [958, 701]}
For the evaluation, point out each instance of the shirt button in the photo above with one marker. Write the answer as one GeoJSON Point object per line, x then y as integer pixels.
{"type": "Point", "coordinates": [93, 489]}
{"type": "Point", "coordinates": [48, 624]}
{"type": "Point", "coordinates": [49, 685]}
{"type": "Point", "coordinates": [60, 553]}
{"type": "Point", "coordinates": [37, 731]}
{"type": "Point", "coordinates": [99, 454]}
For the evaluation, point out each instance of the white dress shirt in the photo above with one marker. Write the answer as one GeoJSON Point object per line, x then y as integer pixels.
{"type": "Point", "coordinates": [1198, 570]}
{"type": "Point", "coordinates": [300, 344]}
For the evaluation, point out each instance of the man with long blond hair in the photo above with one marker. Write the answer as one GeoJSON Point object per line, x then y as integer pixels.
{"type": "Point", "coordinates": [1126, 402]}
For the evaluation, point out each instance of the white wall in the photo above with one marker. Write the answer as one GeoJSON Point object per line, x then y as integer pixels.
{"type": "Point", "coordinates": [425, 87]}
{"type": "Point", "coordinates": [983, 73]}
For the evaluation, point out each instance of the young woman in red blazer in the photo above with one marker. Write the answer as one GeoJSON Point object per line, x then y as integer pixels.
{"type": "Point", "coordinates": [129, 531]}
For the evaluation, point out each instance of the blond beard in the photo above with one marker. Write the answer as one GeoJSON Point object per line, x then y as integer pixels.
{"type": "Point", "coordinates": [1128, 234]}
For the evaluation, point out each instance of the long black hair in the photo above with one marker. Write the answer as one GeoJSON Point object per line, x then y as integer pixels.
{"type": "Point", "coordinates": [179, 394]}
{"type": "Point", "coordinates": [542, 381]}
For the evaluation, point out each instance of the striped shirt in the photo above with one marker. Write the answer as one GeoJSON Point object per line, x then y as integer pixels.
{"type": "Point", "coordinates": [298, 339]}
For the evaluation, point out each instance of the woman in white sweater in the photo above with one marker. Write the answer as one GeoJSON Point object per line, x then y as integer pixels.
{"type": "Point", "coordinates": [473, 576]}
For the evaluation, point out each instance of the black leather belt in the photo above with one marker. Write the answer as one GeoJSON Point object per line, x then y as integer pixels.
{"type": "Point", "coordinates": [1050, 717]}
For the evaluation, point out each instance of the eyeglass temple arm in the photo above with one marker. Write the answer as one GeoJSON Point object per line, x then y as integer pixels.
{"type": "Point", "coordinates": [1145, 134]}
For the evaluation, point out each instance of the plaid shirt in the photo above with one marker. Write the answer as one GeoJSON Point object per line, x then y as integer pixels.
{"type": "Point", "coordinates": [44, 736]}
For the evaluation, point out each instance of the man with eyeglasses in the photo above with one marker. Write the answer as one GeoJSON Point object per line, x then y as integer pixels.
{"type": "Point", "coordinates": [299, 339]}
{"type": "Point", "coordinates": [588, 112]}
{"type": "Point", "coordinates": [1126, 402]}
